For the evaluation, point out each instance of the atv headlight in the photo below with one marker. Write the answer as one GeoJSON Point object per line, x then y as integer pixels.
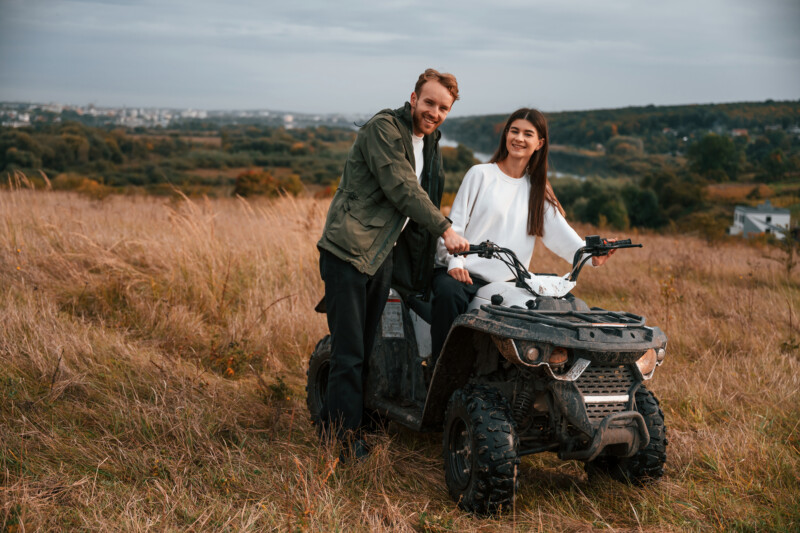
{"type": "Point", "coordinates": [532, 354]}
{"type": "Point", "coordinates": [647, 362]}
{"type": "Point", "coordinates": [558, 357]}
{"type": "Point", "coordinates": [660, 354]}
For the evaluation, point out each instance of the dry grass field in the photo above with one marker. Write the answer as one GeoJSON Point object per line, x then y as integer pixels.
{"type": "Point", "coordinates": [152, 371]}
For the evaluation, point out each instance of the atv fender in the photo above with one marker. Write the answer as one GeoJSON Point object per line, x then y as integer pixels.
{"type": "Point", "coordinates": [455, 365]}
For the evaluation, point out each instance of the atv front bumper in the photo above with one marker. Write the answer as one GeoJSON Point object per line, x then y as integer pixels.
{"type": "Point", "coordinates": [626, 429]}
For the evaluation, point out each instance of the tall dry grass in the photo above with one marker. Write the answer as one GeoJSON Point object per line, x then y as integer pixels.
{"type": "Point", "coordinates": [153, 365]}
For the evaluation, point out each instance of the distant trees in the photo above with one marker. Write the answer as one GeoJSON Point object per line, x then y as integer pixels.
{"type": "Point", "coordinates": [773, 155]}
{"type": "Point", "coordinates": [662, 128]}
{"type": "Point", "coordinates": [456, 162]}
{"type": "Point", "coordinates": [660, 159]}
{"type": "Point", "coordinates": [158, 160]}
{"type": "Point", "coordinates": [18, 149]}
{"type": "Point", "coordinates": [594, 201]}
{"type": "Point", "coordinates": [678, 193]}
{"type": "Point", "coordinates": [625, 146]}
{"type": "Point", "coordinates": [715, 157]}
{"type": "Point", "coordinates": [642, 207]}
{"type": "Point", "coordinates": [658, 198]}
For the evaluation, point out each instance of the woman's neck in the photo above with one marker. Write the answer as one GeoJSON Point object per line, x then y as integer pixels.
{"type": "Point", "coordinates": [513, 167]}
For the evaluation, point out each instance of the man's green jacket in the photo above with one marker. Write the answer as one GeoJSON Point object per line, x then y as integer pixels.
{"type": "Point", "coordinates": [378, 191]}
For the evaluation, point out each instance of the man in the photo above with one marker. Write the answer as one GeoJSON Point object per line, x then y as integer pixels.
{"type": "Point", "coordinates": [394, 155]}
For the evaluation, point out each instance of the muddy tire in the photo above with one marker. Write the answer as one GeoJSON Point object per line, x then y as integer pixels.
{"type": "Point", "coordinates": [317, 382]}
{"type": "Point", "coordinates": [480, 450]}
{"type": "Point", "coordinates": [646, 465]}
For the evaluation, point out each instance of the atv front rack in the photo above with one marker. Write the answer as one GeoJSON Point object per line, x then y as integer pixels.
{"type": "Point", "coordinates": [596, 318]}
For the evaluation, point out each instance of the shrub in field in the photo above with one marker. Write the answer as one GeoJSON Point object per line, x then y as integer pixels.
{"type": "Point", "coordinates": [75, 182]}
{"type": "Point", "coordinates": [259, 182]}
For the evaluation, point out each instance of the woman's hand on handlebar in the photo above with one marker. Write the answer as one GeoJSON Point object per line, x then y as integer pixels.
{"type": "Point", "coordinates": [460, 274]}
{"type": "Point", "coordinates": [599, 260]}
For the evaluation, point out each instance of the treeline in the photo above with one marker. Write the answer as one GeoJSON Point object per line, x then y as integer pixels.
{"type": "Point", "coordinates": [156, 160]}
{"type": "Point", "coordinates": [651, 166]}
{"type": "Point", "coordinates": [661, 128]}
{"type": "Point", "coordinates": [200, 158]}
{"type": "Point", "coordinates": [663, 198]}
{"type": "Point", "coordinates": [769, 157]}
{"type": "Point", "coordinates": [624, 182]}
{"type": "Point", "coordinates": [658, 191]}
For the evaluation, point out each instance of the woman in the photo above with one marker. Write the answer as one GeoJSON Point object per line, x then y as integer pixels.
{"type": "Point", "coordinates": [510, 202]}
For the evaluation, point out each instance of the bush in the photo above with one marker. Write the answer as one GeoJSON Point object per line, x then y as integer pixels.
{"type": "Point", "coordinates": [78, 183]}
{"type": "Point", "coordinates": [259, 182]}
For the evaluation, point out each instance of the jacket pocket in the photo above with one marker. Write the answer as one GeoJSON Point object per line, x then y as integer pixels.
{"type": "Point", "coordinates": [356, 230]}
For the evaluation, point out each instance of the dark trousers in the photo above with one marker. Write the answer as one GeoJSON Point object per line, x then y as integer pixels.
{"type": "Point", "coordinates": [450, 299]}
{"type": "Point", "coordinates": [354, 303]}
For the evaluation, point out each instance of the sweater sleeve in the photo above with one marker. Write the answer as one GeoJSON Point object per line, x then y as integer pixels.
{"type": "Point", "coordinates": [459, 216]}
{"type": "Point", "coordinates": [558, 235]}
{"type": "Point", "coordinates": [384, 154]}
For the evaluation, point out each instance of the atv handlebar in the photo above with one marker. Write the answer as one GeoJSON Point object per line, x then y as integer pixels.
{"type": "Point", "coordinates": [596, 246]}
{"type": "Point", "coordinates": [489, 250]}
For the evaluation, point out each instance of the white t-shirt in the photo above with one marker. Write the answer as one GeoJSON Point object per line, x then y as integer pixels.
{"type": "Point", "coordinates": [417, 143]}
{"type": "Point", "coordinates": [491, 205]}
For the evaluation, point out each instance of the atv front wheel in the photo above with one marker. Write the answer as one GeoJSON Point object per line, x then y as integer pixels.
{"type": "Point", "coordinates": [480, 450]}
{"type": "Point", "coordinates": [647, 464]}
{"type": "Point", "coordinates": [317, 386]}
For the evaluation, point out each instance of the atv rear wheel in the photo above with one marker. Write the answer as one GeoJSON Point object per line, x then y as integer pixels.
{"type": "Point", "coordinates": [647, 464]}
{"type": "Point", "coordinates": [480, 450]}
{"type": "Point", "coordinates": [317, 385]}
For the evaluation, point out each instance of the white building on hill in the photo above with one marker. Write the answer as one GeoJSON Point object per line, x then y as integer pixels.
{"type": "Point", "coordinates": [764, 218]}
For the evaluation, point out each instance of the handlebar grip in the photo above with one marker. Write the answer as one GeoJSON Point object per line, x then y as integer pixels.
{"type": "Point", "coordinates": [484, 249]}
{"type": "Point", "coordinates": [473, 249]}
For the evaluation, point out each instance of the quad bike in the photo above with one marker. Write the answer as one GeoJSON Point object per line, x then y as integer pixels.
{"type": "Point", "coordinates": [528, 368]}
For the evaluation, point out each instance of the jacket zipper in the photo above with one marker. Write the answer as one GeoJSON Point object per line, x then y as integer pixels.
{"type": "Point", "coordinates": [433, 185]}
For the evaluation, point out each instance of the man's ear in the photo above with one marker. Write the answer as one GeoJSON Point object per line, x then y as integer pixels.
{"type": "Point", "coordinates": [413, 98]}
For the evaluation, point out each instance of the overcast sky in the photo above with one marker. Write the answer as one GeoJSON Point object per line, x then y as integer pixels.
{"type": "Point", "coordinates": [327, 56]}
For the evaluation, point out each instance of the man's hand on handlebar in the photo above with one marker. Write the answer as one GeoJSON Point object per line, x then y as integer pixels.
{"type": "Point", "coordinates": [454, 242]}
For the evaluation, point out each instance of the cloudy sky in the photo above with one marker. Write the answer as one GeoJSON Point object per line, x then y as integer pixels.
{"type": "Point", "coordinates": [350, 56]}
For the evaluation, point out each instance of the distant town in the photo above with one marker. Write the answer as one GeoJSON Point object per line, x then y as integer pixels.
{"type": "Point", "coordinates": [23, 114]}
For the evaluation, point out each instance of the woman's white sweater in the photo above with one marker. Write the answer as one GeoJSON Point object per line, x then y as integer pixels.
{"type": "Point", "coordinates": [491, 205]}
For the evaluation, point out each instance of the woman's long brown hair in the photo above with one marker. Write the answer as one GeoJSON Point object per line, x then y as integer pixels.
{"type": "Point", "coordinates": [536, 169]}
